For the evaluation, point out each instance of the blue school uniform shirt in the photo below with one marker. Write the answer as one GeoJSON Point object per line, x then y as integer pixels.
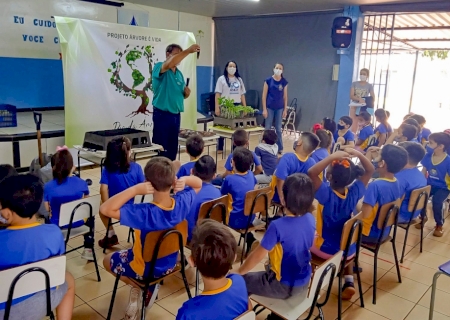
{"type": "Point", "coordinates": [148, 217]}
{"type": "Point", "coordinates": [382, 129]}
{"type": "Point", "coordinates": [289, 163]}
{"type": "Point", "coordinates": [236, 186]}
{"type": "Point", "coordinates": [275, 93]}
{"type": "Point", "coordinates": [438, 173]}
{"type": "Point", "coordinates": [71, 189]}
{"type": "Point", "coordinates": [409, 180]}
{"type": "Point", "coordinates": [348, 136]}
{"type": "Point", "coordinates": [333, 211]}
{"type": "Point", "coordinates": [318, 155]}
{"type": "Point", "coordinates": [120, 181]}
{"type": "Point", "coordinates": [378, 193]}
{"type": "Point", "coordinates": [423, 135]}
{"type": "Point", "coordinates": [288, 241]}
{"type": "Point", "coordinates": [269, 157]}
{"type": "Point", "coordinates": [228, 302]}
{"type": "Point", "coordinates": [185, 169]}
{"type": "Point", "coordinates": [207, 193]}
{"type": "Point", "coordinates": [229, 167]}
{"type": "Point", "coordinates": [27, 244]}
{"type": "Point", "coordinates": [364, 134]}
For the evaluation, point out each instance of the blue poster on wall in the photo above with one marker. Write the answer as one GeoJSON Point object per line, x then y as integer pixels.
{"type": "Point", "coordinates": [132, 17]}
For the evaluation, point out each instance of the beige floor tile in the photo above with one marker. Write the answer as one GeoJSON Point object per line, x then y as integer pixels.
{"type": "Point", "coordinates": [79, 267]}
{"type": "Point", "coordinates": [77, 302]}
{"type": "Point", "coordinates": [79, 241]}
{"type": "Point", "coordinates": [85, 289]}
{"type": "Point", "coordinates": [174, 302]}
{"type": "Point", "coordinates": [101, 305]}
{"type": "Point", "coordinates": [420, 312]}
{"type": "Point", "coordinates": [436, 247]}
{"type": "Point", "coordinates": [92, 172]}
{"type": "Point", "coordinates": [388, 305]}
{"type": "Point", "coordinates": [445, 238]}
{"type": "Point", "coordinates": [426, 258]}
{"type": "Point", "coordinates": [413, 238]}
{"type": "Point", "coordinates": [387, 248]}
{"type": "Point", "coordinates": [122, 232]}
{"type": "Point", "coordinates": [355, 312]}
{"type": "Point", "coordinates": [417, 272]}
{"type": "Point", "coordinates": [84, 312]}
{"type": "Point", "coordinates": [441, 303]}
{"type": "Point", "coordinates": [385, 260]}
{"type": "Point", "coordinates": [408, 289]}
{"type": "Point", "coordinates": [367, 272]}
{"type": "Point", "coordinates": [330, 310]}
{"type": "Point", "coordinates": [355, 297]}
{"type": "Point", "coordinates": [171, 285]}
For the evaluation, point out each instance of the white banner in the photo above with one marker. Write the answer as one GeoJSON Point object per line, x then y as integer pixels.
{"type": "Point", "coordinates": [107, 75]}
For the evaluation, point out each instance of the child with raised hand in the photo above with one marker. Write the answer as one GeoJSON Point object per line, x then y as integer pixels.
{"type": "Point", "coordinates": [324, 148]}
{"type": "Point", "coordinates": [119, 173]}
{"type": "Point", "coordinates": [67, 188]}
{"type": "Point", "coordinates": [267, 152]}
{"type": "Point", "coordinates": [27, 241]}
{"type": "Point", "coordinates": [410, 178]}
{"type": "Point", "coordinates": [205, 169]}
{"type": "Point", "coordinates": [437, 166]}
{"type": "Point", "coordinates": [384, 129]}
{"type": "Point", "coordinates": [344, 136]}
{"type": "Point", "coordinates": [406, 132]}
{"type": "Point", "coordinates": [287, 241]}
{"type": "Point", "coordinates": [366, 131]}
{"type": "Point", "coordinates": [194, 147]}
{"type": "Point", "coordinates": [163, 213]}
{"type": "Point", "coordinates": [337, 202]}
{"type": "Point", "coordinates": [224, 296]}
{"type": "Point", "coordinates": [297, 162]}
{"type": "Point", "coordinates": [387, 162]}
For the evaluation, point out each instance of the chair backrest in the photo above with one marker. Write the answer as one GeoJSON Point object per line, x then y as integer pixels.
{"type": "Point", "coordinates": [351, 233]}
{"type": "Point", "coordinates": [216, 209]}
{"type": "Point", "coordinates": [419, 198]}
{"type": "Point", "coordinates": [30, 282]}
{"type": "Point", "coordinates": [257, 201]}
{"type": "Point", "coordinates": [143, 199]}
{"type": "Point", "coordinates": [159, 244]}
{"type": "Point", "coordinates": [337, 147]}
{"type": "Point", "coordinates": [79, 210]}
{"type": "Point", "coordinates": [322, 275]}
{"type": "Point", "coordinates": [372, 140]}
{"type": "Point", "coordinates": [249, 315]}
{"type": "Point", "coordinates": [387, 214]}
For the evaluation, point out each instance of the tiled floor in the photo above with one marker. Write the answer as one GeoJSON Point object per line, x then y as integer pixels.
{"type": "Point", "coordinates": [397, 301]}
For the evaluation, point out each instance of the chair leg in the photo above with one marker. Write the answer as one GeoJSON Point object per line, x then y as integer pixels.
{"type": "Point", "coordinates": [358, 277]}
{"type": "Point", "coordinates": [111, 304]}
{"type": "Point", "coordinates": [96, 265]}
{"type": "Point", "coordinates": [107, 229]}
{"type": "Point", "coordinates": [397, 265]}
{"type": "Point", "coordinates": [197, 281]}
{"type": "Point", "coordinates": [144, 294]}
{"type": "Point", "coordinates": [240, 238]}
{"type": "Point", "coordinates": [404, 245]}
{"type": "Point", "coordinates": [433, 294]}
{"type": "Point", "coordinates": [341, 274]}
{"type": "Point", "coordinates": [186, 284]}
{"type": "Point", "coordinates": [375, 267]}
{"type": "Point", "coordinates": [421, 237]}
{"type": "Point", "coordinates": [244, 248]}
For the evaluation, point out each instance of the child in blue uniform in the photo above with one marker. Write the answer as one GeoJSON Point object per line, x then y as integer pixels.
{"type": "Point", "coordinates": [337, 202]}
{"type": "Point", "coordinates": [236, 185]}
{"type": "Point", "coordinates": [213, 253]}
{"type": "Point", "coordinates": [26, 241]}
{"type": "Point", "coordinates": [384, 129]}
{"type": "Point", "coordinates": [406, 132]}
{"type": "Point", "coordinates": [410, 178]}
{"type": "Point", "coordinates": [205, 169]}
{"type": "Point", "coordinates": [163, 213]}
{"type": "Point", "coordinates": [119, 173]}
{"type": "Point", "coordinates": [344, 136]}
{"type": "Point", "coordinates": [290, 163]}
{"type": "Point", "coordinates": [323, 150]}
{"type": "Point", "coordinates": [424, 133]}
{"type": "Point", "coordinates": [437, 166]}
{"type": "Point", "coordinates": [383, 190]}
{"type": "Point", "coordinates": [366, 131]}
{"type": "Point", "coordinates": [267, 152]}
{"type": "Point", "coordinates": [287, 241]}
{"type": "Point", "coordinates": [66, 188]}
{"type": "Point", "coordinates": [194, 148]}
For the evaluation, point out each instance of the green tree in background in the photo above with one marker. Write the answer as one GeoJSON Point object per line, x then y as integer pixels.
{"type": "Point", "coordinates": [131, 56]}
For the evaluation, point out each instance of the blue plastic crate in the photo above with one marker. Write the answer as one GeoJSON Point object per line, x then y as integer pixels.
{"type": "Point", "coordinates": [8, 116]}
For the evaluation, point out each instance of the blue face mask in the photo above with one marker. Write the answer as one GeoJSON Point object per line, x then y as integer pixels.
{"type": "Point", "coordinates": [375, 163]}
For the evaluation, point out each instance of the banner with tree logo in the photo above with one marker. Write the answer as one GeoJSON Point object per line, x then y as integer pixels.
{"type": "Point", "coordinates": [107, 75]}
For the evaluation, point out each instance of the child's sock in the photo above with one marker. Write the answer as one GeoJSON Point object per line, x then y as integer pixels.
{"type": "Point", "coordinates": [111, 233]}
{"type": "Point", "coordinates": [348, 279]}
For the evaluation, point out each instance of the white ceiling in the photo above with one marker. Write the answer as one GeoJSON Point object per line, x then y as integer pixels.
{"type": "Point", "coordinates": [223, 8]}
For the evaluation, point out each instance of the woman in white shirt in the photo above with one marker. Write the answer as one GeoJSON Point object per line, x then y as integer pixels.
{"type": "Point", "coordinates": [231, 86]}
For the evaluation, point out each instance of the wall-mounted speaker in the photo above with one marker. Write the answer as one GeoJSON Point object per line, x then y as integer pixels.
{"type": "Point", "coordinates": [341, 34]}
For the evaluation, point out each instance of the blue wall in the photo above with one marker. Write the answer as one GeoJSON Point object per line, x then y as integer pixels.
{"type": "Point", "coordinates": [38, 83]}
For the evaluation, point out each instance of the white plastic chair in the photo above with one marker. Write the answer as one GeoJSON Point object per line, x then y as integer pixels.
{"type": "Point", "coordinates": [293, 307]}
{"type": "Point", "coordinates": [79, 210]}
{"type": "Point", "coordinates": [24, 280]}
{"type": "Point", "coordinates": [249, 315]}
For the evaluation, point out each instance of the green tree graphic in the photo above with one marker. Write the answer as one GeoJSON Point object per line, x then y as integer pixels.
{"type": "Point", "coordinates": [131, 56]}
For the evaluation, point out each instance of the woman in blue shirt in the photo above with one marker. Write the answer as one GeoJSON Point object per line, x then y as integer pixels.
{"type": "Point", "coordinates": [119, 173]}
{"type": "Point", "coordinates": [275, 101]}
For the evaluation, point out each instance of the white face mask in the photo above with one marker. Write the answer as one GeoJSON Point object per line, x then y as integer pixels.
{"type": "Point", "coordinates": [277, 72]}
{"type": "Point", "coordinates": [363, 77]}
{"type": "Point", "coordinates": [231, 70]}
{"type": "Point", "coordinates": [3, 220]}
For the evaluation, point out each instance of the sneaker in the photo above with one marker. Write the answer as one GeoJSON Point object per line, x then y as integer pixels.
{"type": "Point", "coordinates": [87, 254]}
{"type": "Point", "coordinates": [257, 222]}
{"type": "Point", "coordinates": [152, 295]}
{"type": "Point", "coordinates": [419, 225]}
{"type": "Point", "coordinates": [108, 242]}
{"type": "Point", "coordinates": [348, 290]}
{"type": "Point", "coordinates": [134, 304]}
{"type": "Point", "coordinates": [438, 231]}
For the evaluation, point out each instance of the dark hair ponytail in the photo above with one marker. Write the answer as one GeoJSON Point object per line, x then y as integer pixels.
{"type": "Point", "coordinates": [63, 165]}
{"type": "Point", "coordinates": [344, 173]}
{"type": "Point", "coordinates": [117, 155]}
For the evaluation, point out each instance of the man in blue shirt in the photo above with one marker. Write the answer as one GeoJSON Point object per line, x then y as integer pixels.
{"type": "Point", "coordinates": [169, 91]}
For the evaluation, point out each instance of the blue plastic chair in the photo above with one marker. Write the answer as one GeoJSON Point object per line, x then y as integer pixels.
{"type": "Point", "coordinates": [443, 269]}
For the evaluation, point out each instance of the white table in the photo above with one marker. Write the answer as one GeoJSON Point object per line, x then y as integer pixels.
{"type": "Point", "coordinates": [209, 142]}
{"type": "Point", "coordinates": [228, 134]}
